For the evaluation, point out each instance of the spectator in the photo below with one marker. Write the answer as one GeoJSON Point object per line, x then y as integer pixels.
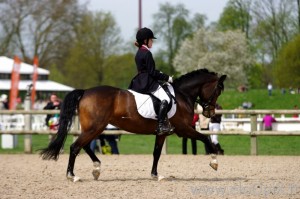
{"type": "Point", "coordinates": [247, 105]}
{"type": "Point", "coordinates": [270, 88]}
{"type": "Point", "coordinates": [215, 125]}
{"type": "Point", "coordinates": [204, 126]}
{"type": "Point", "coordinates": [296, 115]}
{"type": "Point", "coordinates": [52, 120]}
{"type": "Point", "coordinates": [19, 104]}
{"type": "Point", "coordinates": [267, 121]}
{"type": "Point", "coordinates": [111, 139]}
{"type": "Point", "coordinates": [3, 102]}
{"type": "Point", "coordinates": [291, 90]}
{"type": "Point", "coordinates": [194, 141]}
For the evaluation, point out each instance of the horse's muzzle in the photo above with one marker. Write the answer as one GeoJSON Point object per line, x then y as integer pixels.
{"type": "Point", "coordinates": [208, 113]}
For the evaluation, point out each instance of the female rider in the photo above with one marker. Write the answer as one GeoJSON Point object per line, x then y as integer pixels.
{"type": "Point", "coordinates": [147, 79]}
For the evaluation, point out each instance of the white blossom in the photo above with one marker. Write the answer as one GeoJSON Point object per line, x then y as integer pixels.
{"type": "Point", "coordinates": [221, 52]}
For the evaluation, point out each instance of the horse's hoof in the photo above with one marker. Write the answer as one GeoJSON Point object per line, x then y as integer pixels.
{"type": "Point", "coordinates": [96, 171]}
{"type": "Point", "coordinates": [76, 179]}
{"type": "Point", "coordinates": [214, 162]}
{"type": "Point", "coordinates": [214, 166]}
{"type": "Point", "coordinates": [73, 178]}
{"type": "Point", "coordinates": [160, 178]}
{"type": "Point", "coordinates": [154, 176]}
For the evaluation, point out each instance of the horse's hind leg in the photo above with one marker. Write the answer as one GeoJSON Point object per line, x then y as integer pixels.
{"type": "Point", "coordinates": [74, 151]}
{"type": "Point", "coordinates": [96, 161]}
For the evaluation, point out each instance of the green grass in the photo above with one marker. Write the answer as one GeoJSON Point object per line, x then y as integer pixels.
{"type": "Point", "coordinates": [233, 145]}
{"type": "Point", "coordinates": [38, 142]}
{"type": "Point", "coordinates": [144, 144]}
{"type": "Point", "coordinates": [231, 99]}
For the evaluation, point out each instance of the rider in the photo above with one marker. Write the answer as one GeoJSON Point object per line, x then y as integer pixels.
{"type": "Point", "coordinates": [147, 79]}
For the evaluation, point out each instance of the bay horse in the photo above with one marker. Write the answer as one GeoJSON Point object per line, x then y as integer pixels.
{"type": "Point", "coordinates": [99, 106]}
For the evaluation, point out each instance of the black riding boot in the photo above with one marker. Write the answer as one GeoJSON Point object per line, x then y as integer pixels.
{"type": "Point", "coordinates": [163, 126]}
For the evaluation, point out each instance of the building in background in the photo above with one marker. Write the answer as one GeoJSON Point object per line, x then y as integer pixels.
{"type": "Point", "coordinates": [44, 86]}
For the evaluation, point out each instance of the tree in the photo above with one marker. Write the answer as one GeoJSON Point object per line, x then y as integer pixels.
{"type": "Point", "coordinates": [171, 23]}
{"type": "Point", "coordinates": [274, 24]}
{"type": "Point", "coordinates": [256, 76]}
{"type": "Point", "coordinates": [287, 69]}
{"type": "Point", "coordinates": [42, 28]}
{"type": "Point", "coordinates": [222, 52]}
{"type": "Point", "coordinates": [119, 70]}
{"type": "Point", "coordinates": [198, 21]}
{"type": "Point", "coordinates": [298, 9]}
{"type": "Point", "coordinates": [236, 16]}
{"type": "Point", "coordinates": [268, 25]}
{"type": "Point", "coordinates": [97, 37]}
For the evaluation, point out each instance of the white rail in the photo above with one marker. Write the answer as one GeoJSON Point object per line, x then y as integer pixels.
{"type": "Point", "coordinates": [27, 128]}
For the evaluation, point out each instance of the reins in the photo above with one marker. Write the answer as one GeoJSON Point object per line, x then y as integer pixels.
{"type": "Point", "coordinates": [206, 104]}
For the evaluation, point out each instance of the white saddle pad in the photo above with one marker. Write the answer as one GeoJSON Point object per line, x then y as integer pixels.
{"type": "Point", "coordinates": [145, 105]}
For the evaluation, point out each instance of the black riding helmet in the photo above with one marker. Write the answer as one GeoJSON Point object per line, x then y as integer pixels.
{"type": "Point", "coordinates": [144, 34]}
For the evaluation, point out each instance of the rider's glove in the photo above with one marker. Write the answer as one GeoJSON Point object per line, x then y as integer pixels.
{"type": "Point", "coordinates": [170, 80]}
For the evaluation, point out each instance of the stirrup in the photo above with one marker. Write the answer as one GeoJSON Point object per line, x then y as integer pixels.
{"type": "Point", "coordinates": [166, 129]}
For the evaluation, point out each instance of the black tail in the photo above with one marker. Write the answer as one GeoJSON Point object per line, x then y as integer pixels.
{"type": "Point", "coordinates": [67, 111]}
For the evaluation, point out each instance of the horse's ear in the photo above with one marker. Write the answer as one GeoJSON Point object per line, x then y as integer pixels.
{"type": "Point", "coordinates": [222, 78]}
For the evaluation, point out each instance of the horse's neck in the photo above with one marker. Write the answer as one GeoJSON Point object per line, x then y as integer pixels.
{"type": "Point", "coordinates": [190, 93]}
{"type": "Point", "coordinates": [191, 90]}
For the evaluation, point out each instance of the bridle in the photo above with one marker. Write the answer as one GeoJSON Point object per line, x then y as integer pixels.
{"type": "Point", "coordinates": [206, 105]}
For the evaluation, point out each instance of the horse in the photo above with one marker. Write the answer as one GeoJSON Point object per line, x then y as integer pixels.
{"type": "Point", "coordinates": [99, 106]}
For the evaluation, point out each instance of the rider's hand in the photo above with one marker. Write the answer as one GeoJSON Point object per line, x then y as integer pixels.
{"type": "Point", "coordinates": [170, 80]}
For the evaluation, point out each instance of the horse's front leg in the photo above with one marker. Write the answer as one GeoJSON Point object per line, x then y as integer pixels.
{"type": "Point", "coordinates": [211, 150]}
{"type": "Point", "coordinates": [159, 142]}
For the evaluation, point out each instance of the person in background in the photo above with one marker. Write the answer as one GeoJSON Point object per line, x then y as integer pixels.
{"type": "Point", "coordinates": [53, 104]}
{"type": "Point", "coordinates": [111, 139]}
{"type": "Point", "coordinates": [270, 88]}
{"type": "Point", "coordinates": [4, 102]}
{"type": "Point", "coordinates": [296, 115]}
{"type": "Point", "coordinates": [20, 105]}
{"type": "Point", "coordinates": [194, 141]}
{"type": "Point", "coordinates": [204, 126]}
{"type": "Point", "coordinates": [215, 125]}
{"type": "Point", "coordinates": [268, 121]}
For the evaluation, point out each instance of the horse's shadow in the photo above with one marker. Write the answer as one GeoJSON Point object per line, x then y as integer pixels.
{"type": "Point", "coordinates": [170, 179]}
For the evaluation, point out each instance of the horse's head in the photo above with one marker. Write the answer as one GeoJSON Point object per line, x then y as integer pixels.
{"type": "Point", "coordinates": [209, 95]}
{"type": "Point", "coordinates": [203, 84]}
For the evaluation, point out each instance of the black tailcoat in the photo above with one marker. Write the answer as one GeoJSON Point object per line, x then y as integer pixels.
{"type": "Point", "coordinates": [146, 81]}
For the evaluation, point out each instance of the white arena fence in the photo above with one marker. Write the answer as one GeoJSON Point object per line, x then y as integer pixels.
{"type": "Point", "coordinates": [234, 122]}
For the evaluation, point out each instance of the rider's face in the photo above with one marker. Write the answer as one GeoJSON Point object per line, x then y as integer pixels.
{"type": "Point", "coordinates": [150, 43]}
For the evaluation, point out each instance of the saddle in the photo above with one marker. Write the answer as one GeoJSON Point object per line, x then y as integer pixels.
{"type": "Point", "coordinates": [149, 108]}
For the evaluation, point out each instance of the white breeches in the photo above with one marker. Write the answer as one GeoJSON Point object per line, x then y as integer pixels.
{"type": "Point", "coordinates": [214, 127]}
{"type": "Point", "coordinates": [161, 94]}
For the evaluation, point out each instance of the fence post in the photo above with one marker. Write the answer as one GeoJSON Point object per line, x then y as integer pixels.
{"type": "Point", "coordinates": [27, 138]}
{"type": "Point", "coordinates": [253, 138]}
